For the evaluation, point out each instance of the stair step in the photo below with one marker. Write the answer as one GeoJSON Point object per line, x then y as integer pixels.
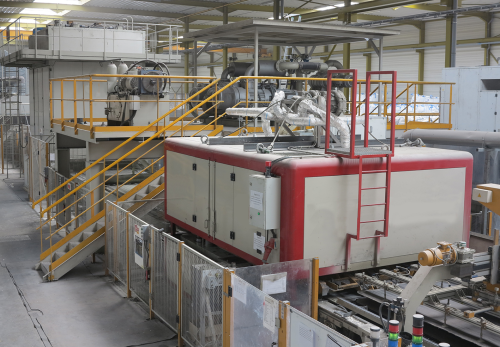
{"type": "Point", "coordinates": [58, 255]}
{"type": "Point", "coordinates": [87, 234]}
{"type": "Point", "coordinates": [44, 266]}
{"type": "Point", "coordinates": [98, 226]}
{"type": "Point", "coordinates": [72, 244]}
{"type": "Point", "coordinates": [152, 187]}
{"type": "Point", "coordinates": [139, 196]}
{"type": "Point", "coordinates": [161, 179]}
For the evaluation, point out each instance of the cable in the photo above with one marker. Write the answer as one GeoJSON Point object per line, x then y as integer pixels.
{"type": "Point", "coordinates": [28, 308]}
{"type": "Point", "coordinates": [386, 328]}
{"type": "Point", "coordinates": [333, 340]}
{"type": "Point", "coordinates": [148, 343]}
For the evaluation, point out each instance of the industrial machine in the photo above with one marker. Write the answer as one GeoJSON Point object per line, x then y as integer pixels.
{"type": "Point", "coordinates": [275, 199]}
{"type": "Point", "coordinates": [236, 95]}
{"type": "Point", "coordinates": [202, 313]}
{"type": "Point", "coordinates": [124, 106]}
{"type": "Point", "coordinates": [305, 204]}
{"type": "Point", "coordinates": [455, 288]}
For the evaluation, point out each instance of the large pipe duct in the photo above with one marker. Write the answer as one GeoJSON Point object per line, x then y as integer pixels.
{"type": "Point", "coordinates": [304, 112]}
{"type": "Point", "coordinates": [455, 137]}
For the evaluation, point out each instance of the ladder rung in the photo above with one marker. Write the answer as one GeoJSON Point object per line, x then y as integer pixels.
{"type": "Point", "coordinates": [373, 171]}
{"type": "Point", "coordinates": [373, 188]}
{"type": "Point", "coordinates": [373, 221]}
{"type": "Point", "coordinates": [374, 204]}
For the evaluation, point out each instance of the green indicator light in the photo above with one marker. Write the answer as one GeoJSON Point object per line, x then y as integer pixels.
{"type": "Point", "coordinates": [258, 213]}
{"type": "Point", "coordinates": [393, 336]}
{"type": "Point", "coordinates": [417, 339]}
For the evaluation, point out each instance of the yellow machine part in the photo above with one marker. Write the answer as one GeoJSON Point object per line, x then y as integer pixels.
{"type": "Point", "coordinates": [434, 256]}
{"type": "Point", "coordinates": [494, 205]}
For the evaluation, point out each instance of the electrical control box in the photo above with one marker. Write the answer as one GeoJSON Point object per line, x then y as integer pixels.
{"type": "Point", "coordinates": [265, 198]}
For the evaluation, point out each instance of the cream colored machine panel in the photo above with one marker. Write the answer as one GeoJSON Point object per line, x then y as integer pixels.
{"type": "Point", "coordinates": [244, 231]}
{"type": "Point", "coordinates": [425, 207]}
{"type": "Point", "coordinates": [188, 189]}
{"type": "Point", "coordinates": [223, 212]}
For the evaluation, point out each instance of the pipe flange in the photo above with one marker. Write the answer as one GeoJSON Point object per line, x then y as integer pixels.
{"type": "Point", "coordinates": [243, 132]}
{"type": "Point", "coordinates": [277, 65]}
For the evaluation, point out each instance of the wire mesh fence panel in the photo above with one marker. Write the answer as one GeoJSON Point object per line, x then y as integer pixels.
{"type": "Point", "coordinates": [110, 237]}
{"type": "Point", "coordinates": [71, 207]}
{"type": "Point", "coordinates": [35, 181]}
{"type": "Point", "coordinates": [165, 277]}
{"type": "Point", "coordinates": [254, 315]}
{"type": "Point", "coordinates": [138, 256]}
{"type": "Point", "coordinates": [306, 331]}
{"type": "Point", "coordinates": [25, 131]}
{"type": "Point", "coordinates": [287, 281]}
{"type": "Point", "coordinates": [121, 244]}
{"type": "Point", "coordinates": [81, 206]}
{"type": "Point", "coordinates": [202, 296]}
{"type": "Point", "coordinates": [60, 193]}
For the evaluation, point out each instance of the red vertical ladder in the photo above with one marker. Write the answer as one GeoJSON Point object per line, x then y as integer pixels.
{"type": "Point", "coordinates": [363, 152]}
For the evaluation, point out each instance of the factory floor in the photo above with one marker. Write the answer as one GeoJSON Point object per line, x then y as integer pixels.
{"type": "Point", "coordinates": [84, 308]}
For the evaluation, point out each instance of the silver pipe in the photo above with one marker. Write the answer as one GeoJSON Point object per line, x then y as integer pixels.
{"type": "Point", "coordinates": [380, 68]}
{"type": "Point", "coordinates": [480, 139]}
{"type": "Point", "coordinates": [256, 68]}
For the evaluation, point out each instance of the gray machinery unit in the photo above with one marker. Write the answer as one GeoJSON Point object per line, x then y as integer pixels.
{"type": "Point", "coordinates": [455, 288]}
{"type": "Point", "coordinates": [236, 95]}
{"type": "Point", "coordinates": [133, 88]}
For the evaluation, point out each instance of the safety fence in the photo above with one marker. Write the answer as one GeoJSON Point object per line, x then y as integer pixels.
{"type": "Point", "coordinates": [209, 304]}
{"type": "Point", "coordinates": [13, 148]}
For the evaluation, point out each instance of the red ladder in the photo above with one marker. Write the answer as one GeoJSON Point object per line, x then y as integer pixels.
{"type": "Point", "coordinates": [360, 153]}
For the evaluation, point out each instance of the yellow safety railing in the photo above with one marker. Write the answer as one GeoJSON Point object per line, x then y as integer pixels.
{"type": "Point", "coordinates": [114, 164]}
{"type": "Point", "coordinates": [96, 85]}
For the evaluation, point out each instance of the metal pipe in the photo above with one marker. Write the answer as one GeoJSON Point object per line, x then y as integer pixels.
{"type": "Point", "coordinates": [290, 65]}
{"type": "Point", "coordinates": [256, 69]}
{"type": "Point", "coordinates": [380, 68]}
{"type": "Point", "coordinates": [479, 139]}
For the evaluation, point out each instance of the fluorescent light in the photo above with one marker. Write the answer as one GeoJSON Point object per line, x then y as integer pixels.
{"type": "Point", "coordinates": [61, 2]}
{"type": "Point", "coordinates": [23, 20]}
{"type": "Point", "coordinates": [39, 11]}
{"type": "Point", "coordinates": [180, 37]}
{"type": "Point", "coordinates": [325, 8]}
{"type": "Point", "coordinates": [332, 7]}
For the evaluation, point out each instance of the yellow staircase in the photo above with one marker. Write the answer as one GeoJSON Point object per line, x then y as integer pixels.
{"type": "Point", "coordinates": [89, 237]}
{"type": "Point", "coordinates": [66, 253]}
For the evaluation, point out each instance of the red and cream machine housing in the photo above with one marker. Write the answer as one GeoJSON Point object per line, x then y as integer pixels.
{"type": "Point", "coordinates": [308, 204]}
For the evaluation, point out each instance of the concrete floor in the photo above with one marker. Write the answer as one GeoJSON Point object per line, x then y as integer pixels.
{"type": "Point", "coordinates": [84, 308]}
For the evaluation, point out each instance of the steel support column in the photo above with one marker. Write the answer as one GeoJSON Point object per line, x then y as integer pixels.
{"type": "Point", "coordinates": [256, 67]}
{"type": "Point", "coordinates": [212, 72]}
{"type": "Point", "coordinates": [368, 57]}
{"type": "Point", "coordinates": [421, 58]}
{"type": "Point", "coordinates": [487, 33]}
{"type": "Point", "coordinates": [451, 36]}
{"type": "Point", "coordinates": [276, 16]}
{"type": "Point", "coordinates": [186, 56]}
{"type": "Point", "coordinates": [225, 16]}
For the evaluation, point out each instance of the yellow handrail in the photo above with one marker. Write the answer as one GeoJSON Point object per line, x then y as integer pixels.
{"type": "Point", "coordinates": [208, 109]}
{"type": "Point", "coordinates": [104, 197]}
{"type": "Point", "coordinates": [50, 218]}
{"type": "Point", "coordinates": [123, 144]}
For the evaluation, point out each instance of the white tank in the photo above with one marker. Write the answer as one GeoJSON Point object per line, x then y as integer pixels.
{"type": "Point", "coordinates": [122, 68]}
{"type": "Point", "coordinates": [111, 69]}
